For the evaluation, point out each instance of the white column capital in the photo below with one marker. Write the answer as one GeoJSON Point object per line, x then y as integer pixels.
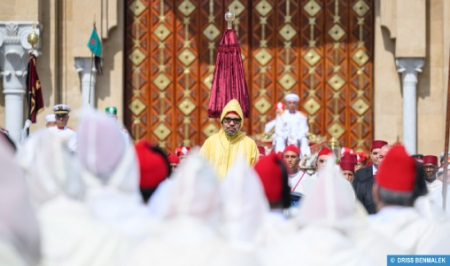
{"type": "Point", "coordinates": [14, 56]}
{"type": "Point", "coordinates": [409, 68]}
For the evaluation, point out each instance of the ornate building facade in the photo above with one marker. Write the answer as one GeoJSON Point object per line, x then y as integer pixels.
{"type": "Point", "coordinates": [364, 69]}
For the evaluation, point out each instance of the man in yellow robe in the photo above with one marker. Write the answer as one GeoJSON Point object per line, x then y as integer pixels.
{"type": "Point", "coordinates": [222, 148]}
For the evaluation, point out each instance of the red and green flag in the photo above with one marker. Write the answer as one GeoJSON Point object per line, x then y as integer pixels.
{"type": "Point", "coordinates": [94, 43]}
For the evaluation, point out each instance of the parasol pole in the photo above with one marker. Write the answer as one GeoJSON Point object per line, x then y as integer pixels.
{"type": "Point", "coordinates": [447, 132]}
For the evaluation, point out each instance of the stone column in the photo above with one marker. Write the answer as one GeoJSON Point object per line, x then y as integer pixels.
{"type": "Point", "coordinates": [409, 68]}
{"type": "Point", "coordinates": [14, 56]}
{"type": "Point", "coordinates": [87, 71]}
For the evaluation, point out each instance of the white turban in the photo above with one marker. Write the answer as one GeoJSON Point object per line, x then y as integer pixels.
{"type": "Point", "coordinates": [50, 118]}
{"type": "Point", "coordinates": [291, 97]}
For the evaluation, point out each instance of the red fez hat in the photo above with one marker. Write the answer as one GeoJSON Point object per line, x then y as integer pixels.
{"type": "Point", "coordinates": [181, 151]}
{"type": "Point", "coordinates": [324, 151]}
{"type": "Point", "coordinates": [349, 166]}
{"type": "Point", "coordinates": [430, 159]}
{"type": "Point", "coordinates": [173, 158]}
{"type": "Point", "coordinates": [398, 171]}
{"type": "Point", "coordinates": [152, 165]}
{"type": "Point", "coordinates": [269, 171]}
{"type": "Point", "coordinates": [292, 148]}
{"type": "Point", "coordinates": [349, 158]}
{"type": "Point", "coordinates": [361, 156]}
{"type": "Point", "coordinates": [262, 151]}
{"type": "Point", "coordinates": [346, 150]}
{"type": "Point", "coordinates": [377, 144]}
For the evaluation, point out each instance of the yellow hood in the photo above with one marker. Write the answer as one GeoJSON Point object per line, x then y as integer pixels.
{"type": "Point", "coordinates": [233, 106]}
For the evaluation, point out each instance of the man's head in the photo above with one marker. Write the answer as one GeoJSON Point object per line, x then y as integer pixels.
{"type": "Point", "coordinates": [291, 102]}
{"type": "Point", "coordinates": [361, 160]}
{"type": "Point", "coordinates": [182, 151]}
{"type": "Point", "coordinates": [430, 166]}
{"type": "Point", "coordinates": [50, 120]}
{"type": "Point", "coordinates": [231, 118]}
{"type": "Point", "coordinates": [395, 179]}
{"type": "Point", "coordinates": [174, 161]}
{"type": "Point", "coordinates": [322, 157]}
{"type": "Point", "coordinates": [61, 114]}
{"type": "Point", "coordinates": [291, 156]}
{"type": "Point", "coordinates": [347, 165]}
{"type": "Point", "coordinates": [383, 151]}
{"type": "Point", "coordinates": [376, 146]}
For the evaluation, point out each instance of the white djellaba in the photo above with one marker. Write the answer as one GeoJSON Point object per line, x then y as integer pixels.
{"type": "Point", "coordinates": [70, 235]}
{"type": "Point", "coordinates": [19, 232]}
{"type": "Point", "coordinates": [110, 170]}
{"type": "Point", "coordinates": [332, 229]}
{"type": "Point", "coordinates": [190, 234]}
{"type": "Point", "coordinates": [247, 221]}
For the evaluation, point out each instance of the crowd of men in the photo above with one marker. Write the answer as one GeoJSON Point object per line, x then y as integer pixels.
{"type": "Point", "coordinates": [91, 196]}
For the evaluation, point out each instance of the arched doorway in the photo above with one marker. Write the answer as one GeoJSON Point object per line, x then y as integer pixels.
{"type": "Point", "coordinates": [320, 49]}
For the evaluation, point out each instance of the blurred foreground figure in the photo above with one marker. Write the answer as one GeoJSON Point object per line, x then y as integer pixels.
{"type": "Point", "coordinates": [19, 232]}
{"type": "Point", "coordinates": [222, 148]}
{"type": "Point", "coordinates": [111, 172]}
{"type": "Point", "coordinates": [332, 229]}
{"type": "Point", "coordinates": [394, 192]}
{"type": "Point", "coordinates": [190, 215]}
{"type": "Point", "coordinates": [70, 235]}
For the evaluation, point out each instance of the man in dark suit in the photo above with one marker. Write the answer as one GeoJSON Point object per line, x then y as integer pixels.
{"type": "Point", "coordinates": [363, 181]}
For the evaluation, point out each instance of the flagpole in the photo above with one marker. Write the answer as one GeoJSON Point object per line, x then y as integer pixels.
{"type": "Point", "coordinates": [90, 79]}
{"type": "Point", "coordinates": [446, 140]}
{"type": "Point", "coordinates": [32, 39]}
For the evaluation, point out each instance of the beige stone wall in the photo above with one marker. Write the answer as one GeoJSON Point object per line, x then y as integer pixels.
{"type": "Point", "coordinates": [56, 68]}
{"type": "Point", "coordinates": [432, 85]}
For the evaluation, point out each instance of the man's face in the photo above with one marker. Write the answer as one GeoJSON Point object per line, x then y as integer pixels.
{"type": "Point", "coordinates": [61, 120]}
{"type": "Point", "coordinates": [50, 124]}
{"type": "Point", "coordinates": [348, 175]}
{"type": "Point", "coordinates": [374, 156]}
{"type": "Point", "coordinates": [382, 153]}
{"type": "Point", "coordinates": [173, 166]}
{"type": "Point", "coordinates": [430, 172]}
{"type": "Point", "coordinates": [231, 124]}
{"type": "Point", "coordinates": [291, 106]}
{"type": "Point", "coordinates": [358, 166]}
{"type": "Point", "coordinates": [292, 160]}
{"type": "Point", "coordinates": [321, 160]}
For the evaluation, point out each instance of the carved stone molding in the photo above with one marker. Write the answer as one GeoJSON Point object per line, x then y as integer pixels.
{"type": "Point", "coordinates": [14, 51]}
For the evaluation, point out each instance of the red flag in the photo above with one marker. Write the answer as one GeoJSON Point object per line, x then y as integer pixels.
{"type": "Point", "coordinates": [34, 90]}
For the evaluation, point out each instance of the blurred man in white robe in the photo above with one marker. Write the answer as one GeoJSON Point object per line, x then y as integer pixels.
{"type": "Point", "coordinates": [291, 127]}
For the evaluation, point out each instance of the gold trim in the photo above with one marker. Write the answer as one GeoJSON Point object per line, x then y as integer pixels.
{"type": "Point", "coordinates": [263, 56]}
{"type": "Point", "coordinates": [336, 32]}
{"type": "Point", "coordinates": [162, 32]}
{"type": "Point", "coordinates": [161, 131]}
{"type": "Point", "coordinates": [136, 107]}
{"type": "Point", "coordinates": [312, 57]}
{"type": "Point", "coordinates": [360, 106]}
{"type": "Point", "coordinates": [186, 8]}
{"type": "Point", "coordinates": [336, 82]}
{"type": "Point", "coordinates": [161, 81]}
{"type": "Point", "coordinates": [262, 105]}
{"type": "Point", "coordinates": [287, 81]}
{"type": "Point", "coordinates": [136, 57]}
{"type": "Point", "coordinates": [236, 7]}
{"type": "Point", "coordinates": [210, 129]}
{"type": "Point", "coordinates": [211, 32]}
{"type": "Point", "coordinates": [360, 57]}
{"type": "Point", "coordinates": [137, 7]}
{"type": "Point", "coordinates": [186, 57]}
{"type": "Point", "coordinates": [288, 32]}
{"type": "Point", "coordinates": [263, 8]}
{"type": "Point", "coordinates": [311, 106]}
{"type": "Point", "coordinates": [186, 106]}
{"type": "Point", "coordinates": [312, 8]}
{"type": "Point", "coordinates": [336, 130]}
{"type": "Point", "coordinates": [361, 8]}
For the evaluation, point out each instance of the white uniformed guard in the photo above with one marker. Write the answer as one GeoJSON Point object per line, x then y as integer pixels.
{"type": "Point", "coordinates": [62, 117]}
{"type": "Point", "coordinates": [50, 120]}
{"type": "Point", "coordinates": [291, 127]}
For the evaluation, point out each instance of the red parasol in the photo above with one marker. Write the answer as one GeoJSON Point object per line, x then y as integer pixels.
{"type": "Point", "coordinates": [229, 77]}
